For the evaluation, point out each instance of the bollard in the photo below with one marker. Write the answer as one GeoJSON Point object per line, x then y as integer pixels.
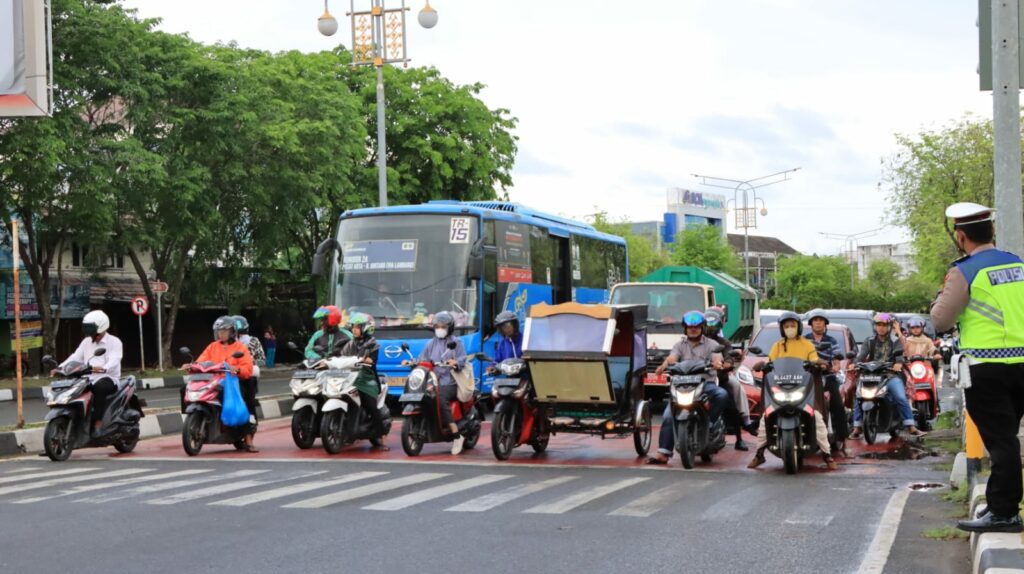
{"type": "Point", "coordinates": [974, 447]}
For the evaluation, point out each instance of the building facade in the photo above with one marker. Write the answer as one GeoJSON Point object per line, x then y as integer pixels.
{"type": "Point", "coordinates": [900, 253]}
{"type": "Point", "coordinates": [762, 257]}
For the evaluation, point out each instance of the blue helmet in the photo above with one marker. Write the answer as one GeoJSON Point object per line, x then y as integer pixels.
{"type": "Point", "coordinates": [693, 319]}
{"type": "Point", "coordinates": [915, 322]}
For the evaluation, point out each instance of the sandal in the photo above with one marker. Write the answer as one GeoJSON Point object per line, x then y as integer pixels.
{"type": "Point", "coordinates": [655, 460]}
{"type": "Point", "coordinates": [856, 434]}
{"type": "Point", "coordinates": [251, 448]}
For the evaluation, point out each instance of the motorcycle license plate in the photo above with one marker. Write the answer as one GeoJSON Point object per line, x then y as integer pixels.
{"type": "Point", "coordinates": [654, 379]}
{"type": "Point", "coordinates": [311, 374]}
{"type": "Point", "coordinates": [871, 379]}
{"type": "Point", "coordinates": [397, 382]}
{"type": "Point", "coordinates": [201, 377]}
{"type": "Point", "coordinates": [923, 386]}
{"type": "Point", "coordinates": [410, 398]}
{"type": "Point", "coordinates": [687, 379]}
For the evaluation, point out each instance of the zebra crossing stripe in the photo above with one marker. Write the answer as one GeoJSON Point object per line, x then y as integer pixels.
{"type": "Point", "coordinates": [659, 499]}
{"type": "Point", "coordinates": [368, 490]}
{"type": "Point", "coordinates": [75, 478]}
{"type": "Point", "coordinates": [428, 494]}
{"type": "Point", "coordinates": [293, 489]}
{"type": "Point", "coordinates": [736, 505]}
{"type": "Point", "coordinates": [496, 499]}
{"type": "Point", "coordinates": [25, 469]}
{"type": "Point", "coordinates": [47, 474]}
{"type": "Point", "coordinates": [229, 487]}
{"type": "Point", "coordinates": [583, 497]}
{"type": "Point", "coordinates": [151, 488]}
{"type": "Point", "coordinates": [115, 484]}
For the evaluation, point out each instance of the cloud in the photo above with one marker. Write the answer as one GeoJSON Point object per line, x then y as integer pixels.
{"type": "Point", "coordinates": [529, 164]}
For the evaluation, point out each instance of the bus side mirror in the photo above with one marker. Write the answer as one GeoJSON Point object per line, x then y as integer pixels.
{"type": "Point", "coordinates": [475, 266]}
{"type": "Point", "coordinates": [325, 247]}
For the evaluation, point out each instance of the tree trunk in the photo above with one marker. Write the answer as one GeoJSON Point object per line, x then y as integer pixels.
{"type": "Point", "coordinates": [175, 284]}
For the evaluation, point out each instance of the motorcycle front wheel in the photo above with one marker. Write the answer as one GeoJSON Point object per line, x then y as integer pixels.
{"type": "Point", "coordinates": [127, 444]}
{"type": "Point", "coordinates": [684, 444]}
{"type": "Point", "coordinates": [503, 434]}
{"type": "Point", "coordinates": [302, 428]}
{"type": "Point", "coordinates": [55, 439]}
{"type": "Point", "coordinates": [412, 444]}
{"type": "Point", "coordinates": [787, 448]}
{"type": "Point", "coordinates": [332, 431]}
{"type": "Point", "coordinates": [642, 431]}
{"type": "Point", "coordinates": [871, 425]}
{"type": "Point", "coordinates": [193, 433]}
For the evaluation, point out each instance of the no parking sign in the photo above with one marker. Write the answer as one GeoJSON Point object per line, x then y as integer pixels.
{"type": "Point", "coordinates": [140, 305]}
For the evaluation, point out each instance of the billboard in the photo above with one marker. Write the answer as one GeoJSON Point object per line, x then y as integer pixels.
{"type": "Point", "coordinates": [25, 60]}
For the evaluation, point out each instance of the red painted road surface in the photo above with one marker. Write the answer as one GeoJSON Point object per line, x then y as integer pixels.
{"type": "Point", "coordinates": [275, 442]}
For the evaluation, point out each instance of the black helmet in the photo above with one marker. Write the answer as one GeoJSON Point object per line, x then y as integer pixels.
{"type": "Point", "coordinates": [225, 322]}
{"type": "Point", "coordinates": [242, 325]}
{"type": "Point", "coordinates": [816, 314]}
{"type": "Point", "coordinates": [790, 316]}
{"type": "Point", "coordinates": [444, 318]}
{"type": "Point", "coordinates": [507, 317]}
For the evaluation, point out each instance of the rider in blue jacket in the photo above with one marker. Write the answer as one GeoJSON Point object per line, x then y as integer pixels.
{"type": "Point", "coordinates": [511, 345]}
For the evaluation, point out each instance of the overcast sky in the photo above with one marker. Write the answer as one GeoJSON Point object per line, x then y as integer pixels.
{"type": "Point", "coordinates": [618, 101]}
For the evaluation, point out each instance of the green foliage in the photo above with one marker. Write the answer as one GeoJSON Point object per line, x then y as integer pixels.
{"type": "Point", "coordinates": [705, 246]}
{"type": "Point", "coordinates": [644, 257]}
{"type": "Point", "coordinates": [932, 170]}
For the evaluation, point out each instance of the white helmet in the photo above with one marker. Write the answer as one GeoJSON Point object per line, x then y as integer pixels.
{"type": "Point", "coordinates": [98, 319]}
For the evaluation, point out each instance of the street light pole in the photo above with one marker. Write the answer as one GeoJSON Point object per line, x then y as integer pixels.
{"type": "Point", "coordinates": [378, 38]}
{"type": "Point", "coordinates": [850, 242]}
{"type": "Point", "coordinates": [746, 216]}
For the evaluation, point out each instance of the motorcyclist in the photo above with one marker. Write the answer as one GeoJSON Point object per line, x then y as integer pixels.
{"type": "Point", "coordinates": [452, 359]}
{"type": "Point", "coordinates": [365, 346]}
{"type": "Point", "coordinates": [221, 350]}
{"type": "Point", "coordinates": [794, 345]}
{"type": "Point", "coordinates": [106, 369]}
{"type": "Point", "coordinates": [511, 345]}
{"type": "Point", "coordinates": [714, 319]}
{"type": "Point", "coordinates": [250, 387]}
{"type": "Point", "coordinates": [883, 347]}
{"type": "Point", "coordinates": [818, 333]}
{"type": "Point", "coordinates": [917, 344]}
{"type": "Point", "coordinates": [693, 346]}
{"type": "Point", "coordinates": [330, 336]}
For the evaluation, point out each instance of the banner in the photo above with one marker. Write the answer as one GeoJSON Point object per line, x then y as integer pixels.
{"type": "Point", "coordinates": [378, 256]}
{"type": "Point", "coordinates": [76, 301]}
{"type": "Point", "coordinates": [31, 335]}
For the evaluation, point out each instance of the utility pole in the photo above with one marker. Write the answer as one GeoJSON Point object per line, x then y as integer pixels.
{"type": "Point", "coordinates": [1006, 124]}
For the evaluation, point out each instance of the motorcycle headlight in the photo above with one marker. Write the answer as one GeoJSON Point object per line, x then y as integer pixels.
{"type": "Point", "coordinates": [510, 369]}
{"type": "Point", "coordinates": [194, 395]}
{"type": "Point", "coordinates": [70, 394]}
{"type": "Point", "coordinates": [684, 398]}
{"type": "Point", "coordinates": [867, 392]}
{"type": "Point", "coordinates": [416, 379]}
{"type": "Point", "coordinates": [789, 396]}
{"type": "Point", "coordinates": [918, 371]}
{"type": "Point", "coordinates": [305, 386]}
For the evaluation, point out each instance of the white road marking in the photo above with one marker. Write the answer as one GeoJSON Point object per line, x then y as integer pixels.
{"type": "Point", "coordinates": [293, 489]}
{"type": "Point", "coordinates": [583, 497]}
{"type": "Point", "coordinates": [368, 490]}
{"type": "Point", "coordinates": [659, 499]}
{"type": "Point", "coordinates": [25, 469]}
{"type": "Point", "coordinates": [44, 475]}
{"type": "Point", "coordinates": [733, 506]}
{"type": "Point", "coordinates": [149, 489]}
{"type": "Point", "coordinates": [115, 484]}
{"type": "Point", "coordinates": [432, 493]}
{"type": "Point", "coordinates": [878, 553]}
{"type": "Point", "coordinates": [75, 478]}
{"type": "Point", "coordinates": [496, 499]}
{"type": "Point", "coordinates": [223, 488]}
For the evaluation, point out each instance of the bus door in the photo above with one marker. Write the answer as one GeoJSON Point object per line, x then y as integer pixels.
{"type": "Point", "coordinates": [561, 276]}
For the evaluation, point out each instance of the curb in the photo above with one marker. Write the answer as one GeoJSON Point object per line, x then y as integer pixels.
{"type": "Point", "coordinates": [994, 552]}
{"type": "Point", "coordinates": [30, 441]}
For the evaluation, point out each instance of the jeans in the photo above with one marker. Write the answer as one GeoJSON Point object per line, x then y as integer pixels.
{"type": "Point", "coordinates": [717, 397]}
{"type": "Point", "coordinates": [897, 392]}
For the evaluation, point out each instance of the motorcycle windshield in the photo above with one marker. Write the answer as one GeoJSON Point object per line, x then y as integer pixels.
{"type": "Point", "coordinates": [788, 372]}
{"type": "Point", "coordinates": [689, 367]}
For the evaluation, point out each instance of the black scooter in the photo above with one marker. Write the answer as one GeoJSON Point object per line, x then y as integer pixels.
{"type": "Point", "coordinates": [878, 411]}
{"type": "Point", "coordinates": [69, 422]}
{"type": "Point", "coordinates": [695, 433]}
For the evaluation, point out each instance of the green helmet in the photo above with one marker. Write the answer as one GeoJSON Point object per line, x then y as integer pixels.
{"type": "Point", "coordinates": [364, 322]}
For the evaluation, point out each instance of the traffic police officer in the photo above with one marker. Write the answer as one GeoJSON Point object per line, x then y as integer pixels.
{"type": "Point", "coordinates": [984, 293]}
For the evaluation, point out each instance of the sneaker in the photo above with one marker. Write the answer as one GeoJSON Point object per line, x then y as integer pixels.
{"type": "Point", "coordinates": [831, 463]}
{"type": "Point", "coordinates": [992, 523]}
{"type": "Point", "coordinates": [751, 428]}
{"type": "Point", "coordinates": [457, 444]}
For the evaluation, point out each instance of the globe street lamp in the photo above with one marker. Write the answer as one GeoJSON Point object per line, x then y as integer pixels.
{"type": "Point", "coordinates": [378, 38]}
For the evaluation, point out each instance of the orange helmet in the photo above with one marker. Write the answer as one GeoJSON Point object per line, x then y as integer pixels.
{"type": "Point", "coordinates": [329, 314]}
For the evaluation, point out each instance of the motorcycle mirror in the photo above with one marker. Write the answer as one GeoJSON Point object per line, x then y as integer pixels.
{"type": "Point", "coordinates": [293, 346]}
{"type": "Point", "coordinates": [405, 347]}
{"type": "Point", "coordinates": [758, 366]}
{"type": "Point", "coordinates": [99, 352]}
{"type": "Point", "coordinates": [755, 350]}
{"type": "Point", "coordinates": [185, 351]}
{"type": "Point", "coordinates": [49, 360]}
{"type": "Point", "coordinates": [237, 354]}
{"type": "Point", "coordinates": [451, 345]}
{"type": "Point", "coordinates": [823, 347]}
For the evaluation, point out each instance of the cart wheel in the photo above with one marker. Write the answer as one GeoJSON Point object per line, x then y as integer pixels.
{"type": "Point", "coordinates": [642, 429]}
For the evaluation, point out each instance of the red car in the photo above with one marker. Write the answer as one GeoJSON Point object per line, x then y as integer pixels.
{"type": "Point", "coordinates": [765, 337]}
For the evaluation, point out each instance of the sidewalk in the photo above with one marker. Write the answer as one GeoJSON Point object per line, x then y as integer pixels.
{"type": "Point", "coordinates": [995, 552]}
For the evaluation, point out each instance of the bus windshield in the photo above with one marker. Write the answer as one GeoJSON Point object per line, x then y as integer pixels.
{"type": "Point", "coordinates": [403, 269]}
{"type": "Point", "coordinates": [666, 304]}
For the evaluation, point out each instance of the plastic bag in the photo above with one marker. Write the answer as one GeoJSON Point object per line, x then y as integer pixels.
{"type": "Point", "coordinates": [466, 384]}
{"type": "Point", "coordinates": [234, 413]}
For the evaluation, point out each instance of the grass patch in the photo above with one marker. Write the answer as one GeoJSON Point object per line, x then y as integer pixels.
{"type": "Point", "coordinates": [9, 428]}
{"type": "Point", "coordinates": [945, 421]}
{"type": "Point", "coordinates": [26, 382]}
{"type": "Point", "coordinates": [945, 533]}
{"type": "Point", "coordinates": [960, 495]}
{"type": "Point", "coordinates": [943, 467]}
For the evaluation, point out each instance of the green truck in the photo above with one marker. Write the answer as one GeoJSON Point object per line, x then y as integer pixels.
{"type": "Point", "coordinates": [739, 300]}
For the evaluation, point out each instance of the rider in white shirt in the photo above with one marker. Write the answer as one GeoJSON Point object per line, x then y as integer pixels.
{"type": "Point", "coordinates": [106, 368]}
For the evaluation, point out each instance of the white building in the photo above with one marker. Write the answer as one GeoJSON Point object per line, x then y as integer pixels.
{"type": "Point", "coordinates": [900, 253]}
{"type": "Point", "coordinates": [686, 208]}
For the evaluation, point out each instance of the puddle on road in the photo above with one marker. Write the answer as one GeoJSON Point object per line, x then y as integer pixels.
{"type": "Point", "coordinates": [926, 486]}
{"type": "Point", "coordinates": [902, 451]}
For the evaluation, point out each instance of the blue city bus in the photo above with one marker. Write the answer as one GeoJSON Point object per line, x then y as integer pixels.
{"type": "Point", "coordinates": [403, 264]}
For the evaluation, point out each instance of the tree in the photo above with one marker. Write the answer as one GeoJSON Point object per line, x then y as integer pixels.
{"type": "Point", "coordinates": [705, 246]}
{"type": "Point", "coordinates": [883, 277]}
{"type": "Point", "coordinates": [644, 257]}
{"type": "Point", "coordinates": [930, 171]}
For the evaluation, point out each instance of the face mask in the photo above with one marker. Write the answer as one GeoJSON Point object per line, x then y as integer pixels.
{"type": "Point", "coordinates": [790, 332]}
{"type": "Point", "coordinates": [441, 333]}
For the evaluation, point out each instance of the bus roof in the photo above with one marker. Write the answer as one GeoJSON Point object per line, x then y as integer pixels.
{"type": "Point", "coordinates": [502, 210]}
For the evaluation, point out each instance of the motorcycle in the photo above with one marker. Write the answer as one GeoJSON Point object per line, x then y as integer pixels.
{"type": "Point", "coordinates": [694, 432]}
{"type": "Point", "coordinates": [422, 410]}
{"type": "Point", "coordinates": [307, 409]}
{"type": "Point", "coordinates": [790, 410]}
{"type": "Point", "coordinates": [69, 422]}
{"type": "Point", "coordinates": [518, 418]}
{"type": "Point", "coordinates": [879, 413]}
{"type": "Point", "coordinates": [925, 400]}
{"type": "Point", "coordinates": [947, 347]}
{"type": "Point", "coordinates": [344, 419]}
{"type": "Point", "coordinates": [204, 390]}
